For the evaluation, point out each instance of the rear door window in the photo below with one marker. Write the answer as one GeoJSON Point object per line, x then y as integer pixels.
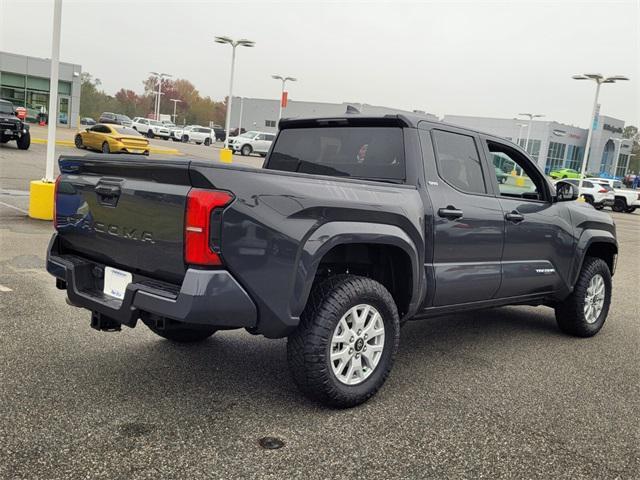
{"type": "Point", "coordinates": [375, 153]}
{"type": "Point", "coordinates": [458, 161]}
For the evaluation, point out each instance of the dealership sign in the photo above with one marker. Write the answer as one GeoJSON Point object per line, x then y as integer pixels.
{"type": "Point", "coordinates": [612, 128]}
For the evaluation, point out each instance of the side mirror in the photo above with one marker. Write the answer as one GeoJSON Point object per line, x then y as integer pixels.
{"type": "Point", "coordinates": [566, 192]}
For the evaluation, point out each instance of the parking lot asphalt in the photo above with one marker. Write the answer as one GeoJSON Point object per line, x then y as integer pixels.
{"type": "Point", "coordinates": [494, 394]}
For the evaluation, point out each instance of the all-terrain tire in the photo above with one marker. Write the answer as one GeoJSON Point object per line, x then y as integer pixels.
{"type": "Point", "coordinates": [309, 347]}
{"type": "Point", "coordinates": [570, 313]}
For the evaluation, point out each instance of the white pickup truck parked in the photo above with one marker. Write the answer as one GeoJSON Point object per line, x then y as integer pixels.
{"type": "Point", "coordinates": [626, 199]}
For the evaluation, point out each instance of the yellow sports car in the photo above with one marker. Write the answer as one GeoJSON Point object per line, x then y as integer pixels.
{"type": "Point", "coordinates": [112, 139]}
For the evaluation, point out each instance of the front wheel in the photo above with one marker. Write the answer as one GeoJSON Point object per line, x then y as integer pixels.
{"type": "Point", "coordinates": [620, 205]}
{"type": "Point", "coordinates": [105, 147]}
{"type": "Point", "coordinates": [24, 141]}
{"type": "Point", "coordinates": [583, 313]}
{"type": "Point", "coordinates": [345, 345]}
{"type": "Point", "coordinates": [78, 141]}
{"type": "Point", "coordinates": [246, 150]}
{"type": "Point", "coordinates": [598, 206]}
{"type": "Point", "coordinates": [207, 142]}
{"type": "Point", "coordinates": [150, 134]}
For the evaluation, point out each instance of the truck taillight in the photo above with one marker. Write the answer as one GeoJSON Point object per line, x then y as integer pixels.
{"type": "Point", "coordinates": [199, 240]}
{"type": "Point", "coordinates": [55, 202]}
{"type": "Point", "coordinates": [602, 190]}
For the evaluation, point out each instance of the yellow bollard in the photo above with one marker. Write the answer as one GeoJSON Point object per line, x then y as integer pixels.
{"type": "Point", "coordinates": [226, 155]}
{"type": "Point", "coordinates": [520, 181]}
{"type": "Point", "coordinates": [41, 199]}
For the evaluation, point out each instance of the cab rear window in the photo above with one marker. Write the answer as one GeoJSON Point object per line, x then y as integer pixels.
{"type": "Point", "coordinates": [374, 153]}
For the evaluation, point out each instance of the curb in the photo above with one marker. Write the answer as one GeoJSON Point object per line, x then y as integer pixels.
{"type": "Point", "coordinates": [68, 143]}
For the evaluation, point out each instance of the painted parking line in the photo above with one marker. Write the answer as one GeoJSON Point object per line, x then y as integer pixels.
{"type": "Point", "coordinates": [152, 149]}
{"type": "Point", "coordinates": [5, 289]}
{"type": "Point", "coordinates": [14, 208]}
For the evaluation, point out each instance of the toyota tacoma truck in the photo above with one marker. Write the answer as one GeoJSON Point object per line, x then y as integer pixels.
{"type": "Point", "coordinates": [12, 128]}
{"type": "Point", "coordinates": [353, 226]}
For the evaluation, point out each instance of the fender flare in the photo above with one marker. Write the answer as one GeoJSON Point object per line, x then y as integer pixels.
{"type": "Point", "coordinates": [588, 238]}
{"type": "Point", "coordinates": [332, 234]}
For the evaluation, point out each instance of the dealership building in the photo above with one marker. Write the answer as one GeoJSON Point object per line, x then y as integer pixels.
{"type": "Point", "coordinates": [24, 81]}
{"type": "Point", "coordinates": [556, 145]}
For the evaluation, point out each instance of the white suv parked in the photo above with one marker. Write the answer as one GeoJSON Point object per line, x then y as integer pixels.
{"type": "Point", "coordinates": [598, 194]}
{"type": "Point", "coordinates": [150, 128]}
{"type": "Point", "coordinates": [626, 199]}
{"type": "Point", "coordinates": [199, 135]}
{"type": "Point", "coordinates": [252, 142]}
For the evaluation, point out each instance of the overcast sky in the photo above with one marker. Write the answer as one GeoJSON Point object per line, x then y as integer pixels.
{"type": "Point", "coordinates": [489, 58]}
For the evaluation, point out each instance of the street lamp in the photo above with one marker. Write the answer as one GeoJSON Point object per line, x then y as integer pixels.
{"type": "Point", "coordinates": [530, 116]}
{"type": "Point", "coordinates": [599, 79]}
{"type": "Point", "coordinates": [160, 77]}
{"type": "Point", "coordinates": [175, 103]}
{"type": "Point", "coordinates": [243, 42]}
{"type": "Point", "coordinates": [284, 80]}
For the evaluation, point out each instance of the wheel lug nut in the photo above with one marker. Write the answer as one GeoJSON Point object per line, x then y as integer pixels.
{"type": "Point", "coordinates": [364, 349]}
{"type": "Point", "coordinates": [366, 336]}
{"type": "Point", "coordinates": [351, 340]}
{"type": "Point", "coordinates": [351, 350]}
{"type": "Point", "coordinates": [359, 332]}
{"type": "Point", "coordinates": [357, 355]}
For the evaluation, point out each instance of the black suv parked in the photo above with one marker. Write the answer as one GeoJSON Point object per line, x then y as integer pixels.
{"type": "Point", "coordinates": [354, 225]}
{"type": "Point", "coordinates": [12, 128]}
{"type": "Point", "coordinates": [115, 118]}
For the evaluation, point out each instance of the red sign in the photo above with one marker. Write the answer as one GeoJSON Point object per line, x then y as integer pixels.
{"type": "Point", "coordinates": [21, 113]}
{"type": "Point", "coordinates": [284, 99]}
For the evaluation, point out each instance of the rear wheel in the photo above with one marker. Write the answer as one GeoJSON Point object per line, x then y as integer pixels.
{"type": "Point", "coordinates": [150, 134]}
{"type": "Point", "coordinates": [246, 150]}
{"type": "Point", "coordinates": [105, 147]}
{"type": "Point", "coordinates": [183, 334]}
{"type": "Point", "coordinates": [185, 139]}
{"type": "Point", "coordinates": [207, 141]}
{"type": "Point", "coordinates": [620, 205]}
{"type": "Point", "coordinates": [583, 313]}
{"type": "Point", "coordinates": [78, 141]}
{"type": "Point", "coordinates": [345, 345]}
{"type": "Point", "coordinates": [24, 141]}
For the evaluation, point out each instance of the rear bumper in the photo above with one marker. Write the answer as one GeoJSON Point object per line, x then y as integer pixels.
{"type": "Point", "coordinates": [206, 297]}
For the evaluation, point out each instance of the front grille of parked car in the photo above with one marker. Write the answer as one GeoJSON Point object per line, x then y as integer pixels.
{"type": "Point", "coordinates": [9, 125]}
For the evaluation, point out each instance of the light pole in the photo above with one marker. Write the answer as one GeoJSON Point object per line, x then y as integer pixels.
{"type": "Point", "coordinates": [243, 42]}
{"type": "Point", "coordinates": [616, 155]}
{"type": "Point", "coordinates": [599, 79]}
{"type": "Point", "coordinates": [175, 103]}
{"type": "Point", "coordinates": [160, 77]}
{"type": "Point", "coordinates": [284, 80]}
{"type": "Point", "coordinates": [530, 116]}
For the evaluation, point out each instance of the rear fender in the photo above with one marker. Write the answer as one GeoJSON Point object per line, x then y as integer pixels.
{"type": "Point", "coordinates": [329, 235]}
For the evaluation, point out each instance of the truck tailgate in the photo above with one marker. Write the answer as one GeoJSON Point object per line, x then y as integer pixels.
{"type": "Point", "coordinates": [125, 212]}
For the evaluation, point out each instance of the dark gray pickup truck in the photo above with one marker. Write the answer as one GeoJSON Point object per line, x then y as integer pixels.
{"type": "Point", "coordinates": [354, 225]}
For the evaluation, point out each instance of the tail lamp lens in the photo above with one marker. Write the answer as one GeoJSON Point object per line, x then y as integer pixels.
{"type": "Point", "coordinates": [198, 249]}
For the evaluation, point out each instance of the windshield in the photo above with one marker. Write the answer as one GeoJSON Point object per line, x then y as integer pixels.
{"type": "Point", "coordinates": [248, 134]}
{"type": "Point", "coordinates": [156, 123]}
{"type": "Point", "coordinates": [123, 118]}
{"type": "Point", "coordinates": [364, 152]}
{"type": "Point", "coordinates": [6, 107]}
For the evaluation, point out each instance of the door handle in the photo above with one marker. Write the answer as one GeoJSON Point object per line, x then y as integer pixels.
{"type": "Point", "coordinates": [450, 212]}
{"type": "Point", "coordinates": [514, 216]}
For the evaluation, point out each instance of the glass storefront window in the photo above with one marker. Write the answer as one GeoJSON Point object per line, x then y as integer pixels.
{"type": "Point", "coordinates": [623, 163]}
{"type": "Point", "coordinates": [555, 156]}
